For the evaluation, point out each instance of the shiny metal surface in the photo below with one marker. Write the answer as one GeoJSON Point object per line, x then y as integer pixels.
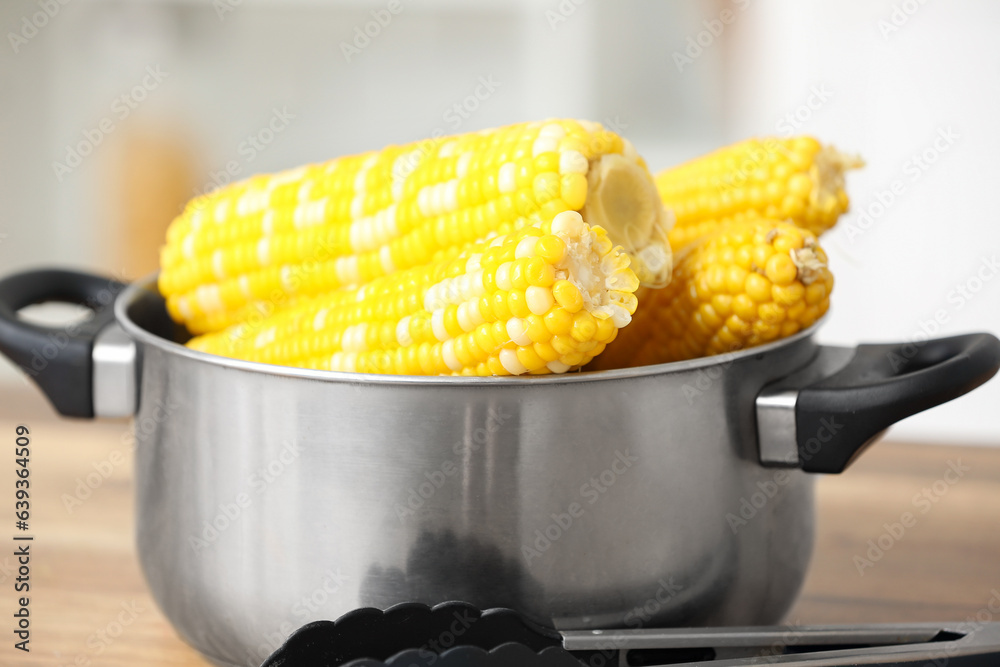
{"type": "Point", "coordinates": [269, 497]}
{"type": "Point", "coordinates": [753, 637]}
{"type": "Point", "coordinates": [917, 644]}
{"type": "Point", "coordinates": [776, 427]}
{"type": "Point", "coordinates": [775, 406]}
{"type": "Point", "coordinates": [115, 360]}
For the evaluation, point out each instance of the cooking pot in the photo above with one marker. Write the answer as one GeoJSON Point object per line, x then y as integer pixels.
{"type": "Point", "coordinates": [268, 497]}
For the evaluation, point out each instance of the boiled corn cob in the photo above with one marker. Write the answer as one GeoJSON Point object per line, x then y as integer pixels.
{"type": "Point", "coordinates": [794, 179]}
{"type": "Point", "coordinates": [747, 283]}
{"type": "Point", "coordinates": [542, 299]}
{"type": "Point", "coordinates": [261, 245]}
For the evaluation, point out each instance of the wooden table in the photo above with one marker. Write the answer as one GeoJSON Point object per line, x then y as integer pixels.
{"type": "Point", "coordinates": [85, 578]}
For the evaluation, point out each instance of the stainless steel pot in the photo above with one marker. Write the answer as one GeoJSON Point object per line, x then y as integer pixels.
{"type": "Point", "coordinates": [664, 495]}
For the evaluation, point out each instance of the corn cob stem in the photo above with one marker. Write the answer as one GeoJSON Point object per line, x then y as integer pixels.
{"type": "Point", "coordinates": [797, 179]}
{"type": "Point", "coordinates": [308, 231]}
{"type": "Point", "coordinates": [542, 299]}
{"type": "Point", "coordinates": [747, 283]}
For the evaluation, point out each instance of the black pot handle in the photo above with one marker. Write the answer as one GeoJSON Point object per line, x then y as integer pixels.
{"type": "Point", "coordinates": [58, 359]}
{"type": "Point", "coordinates": [837, 415]}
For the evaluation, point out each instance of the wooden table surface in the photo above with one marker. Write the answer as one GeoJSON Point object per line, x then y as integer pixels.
{"type": "Point", "coordinates": [85, 578]}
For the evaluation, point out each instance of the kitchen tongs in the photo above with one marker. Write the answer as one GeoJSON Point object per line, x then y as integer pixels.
{"type": "Point", "coordinates": [455, 634]}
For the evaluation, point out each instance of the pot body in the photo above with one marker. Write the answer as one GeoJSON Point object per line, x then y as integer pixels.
{"type": "Point", "coordinates": [619, 499]}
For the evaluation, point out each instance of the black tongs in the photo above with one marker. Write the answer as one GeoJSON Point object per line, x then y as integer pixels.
{"type": "Point", "coordinates": [455, 634]}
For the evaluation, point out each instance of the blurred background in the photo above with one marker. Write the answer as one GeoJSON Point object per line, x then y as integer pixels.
{"type": "Point", "coordinates": [115, 113]}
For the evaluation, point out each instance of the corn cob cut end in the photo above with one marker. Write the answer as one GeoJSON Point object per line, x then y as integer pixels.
{"type": "Point", "coordinates": [599, 271]}
{"type": "Point", "coordinates": [829, 195]}
{"type": "Point", "coordinates": [592, 298]}
{"type": "Point", "coordinates": [623, 199]}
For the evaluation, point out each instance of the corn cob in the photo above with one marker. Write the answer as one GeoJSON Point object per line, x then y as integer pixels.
{"type": "Point", "coordinates": [793, 179]}
{"type": "Point", "coordinates": [543, 299]}
{"type": "Point", "coordinates": [266, 243]}
{"type": "Point", "coordinates": [748, 283]}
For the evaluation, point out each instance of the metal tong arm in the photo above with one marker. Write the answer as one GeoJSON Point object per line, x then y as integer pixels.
{"type": "Point", "coordinates": [916, 644]}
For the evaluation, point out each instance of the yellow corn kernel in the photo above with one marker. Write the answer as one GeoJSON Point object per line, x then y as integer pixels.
{"type": "Point", "coordinates": [546, 352]}
{"type": "Point", "coordinates": [539, 273]}
{"type": "Point", "coordinates": [567, 295]}
{"type": "Point", "coordinates": [573, 190]}
{"type": "Point", "coordinates": [551, 249]}
{"type": "Point", "coordinates": [584, 327]}
{"type": "Point", "coordinates": [559, 321]}
{"type": "Point", "coordinates": [780, 269]}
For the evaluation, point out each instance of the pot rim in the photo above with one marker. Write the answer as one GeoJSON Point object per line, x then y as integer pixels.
{"type": "Point", "coordinates": [134, 291]}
